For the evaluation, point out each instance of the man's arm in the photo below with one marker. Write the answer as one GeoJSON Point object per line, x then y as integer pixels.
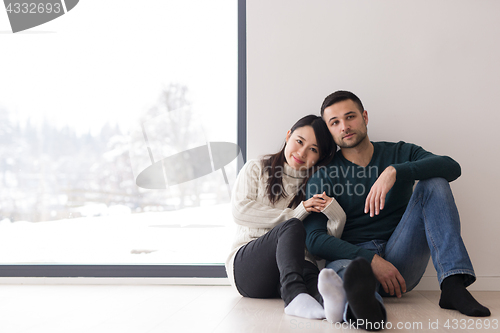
{"type": "Point", "coordinates": [318, 241]}
{"type": "Point", "coordinates": [424, 165]}
{"type": "Point", "coordinates": [375, 201]}
{"type": "Point", "coordinates": [420, 165]}
{"type": "Point", "coordinates": [321, 244]}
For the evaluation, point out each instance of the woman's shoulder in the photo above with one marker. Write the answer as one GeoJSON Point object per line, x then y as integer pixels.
{"type": "Point", "coordinates": [251, 173]}
{"type": "Point", "coordinates": [253, 163]}
{"type": "Point", "coordinates": [252, 166]}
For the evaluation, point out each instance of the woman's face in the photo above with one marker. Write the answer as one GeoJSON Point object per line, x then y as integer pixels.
{"type": "Point", "coordinates": [301, 150]}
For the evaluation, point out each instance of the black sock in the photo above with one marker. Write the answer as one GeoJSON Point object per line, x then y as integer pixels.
{"type": "Point", "coordinates": [455, 296]}
{"type": "Point", "coordinates": [360, 285]}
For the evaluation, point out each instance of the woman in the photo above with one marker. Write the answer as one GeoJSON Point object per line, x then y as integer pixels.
{"type": "Point", "coordinates": [268, 205]}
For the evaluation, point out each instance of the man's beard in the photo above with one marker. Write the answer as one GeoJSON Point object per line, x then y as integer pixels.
{"type": "Point", "coordinates": [360, 136]}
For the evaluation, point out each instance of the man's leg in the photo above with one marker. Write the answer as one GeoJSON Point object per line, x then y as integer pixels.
{"type": "Point", "coordinates": [431, 227]}
{"type": "Point", "coordinates": [363, 302]}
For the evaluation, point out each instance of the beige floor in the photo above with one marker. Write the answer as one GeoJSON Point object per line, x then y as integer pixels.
{"type": "Point", "coordinates": [160, 308]}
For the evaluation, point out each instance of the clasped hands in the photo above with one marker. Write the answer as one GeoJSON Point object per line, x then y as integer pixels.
{"type": "Point", "coordinates": [317, 203]}
{"type": "Point", "coordinates": [375, 201]}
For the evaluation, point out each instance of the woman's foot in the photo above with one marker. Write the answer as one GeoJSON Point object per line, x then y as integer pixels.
{"type": "Point", "coordinates": [305, 306]}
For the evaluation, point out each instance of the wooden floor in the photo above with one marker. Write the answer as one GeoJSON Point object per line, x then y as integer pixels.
{"type": "Point", "coordinates": [166, 308]}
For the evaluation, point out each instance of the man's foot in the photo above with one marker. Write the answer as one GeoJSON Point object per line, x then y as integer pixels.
{"type": "Point", "coordinates": [305, 306]}
{"type": "Point", "coordinates": [454, 296]}
{"type": "Point", "coordinates": [331, 289]}
{"type": "Point", "coordinates": [360, 285]}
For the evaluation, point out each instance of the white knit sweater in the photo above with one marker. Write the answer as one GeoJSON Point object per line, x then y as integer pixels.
{"type": "Point", "coordinates": [255, 215]}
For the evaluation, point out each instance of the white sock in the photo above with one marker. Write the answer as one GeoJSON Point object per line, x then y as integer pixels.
{"type": "Point", "coordinates": [331, 287]}
{"type": "Point", "coordinates": [305, 306]}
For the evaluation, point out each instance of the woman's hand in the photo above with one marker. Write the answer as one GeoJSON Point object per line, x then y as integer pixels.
{"type": "Point", "coordinates": [317, 203]}
{"type": "Point", "coordinates": [326, 199]}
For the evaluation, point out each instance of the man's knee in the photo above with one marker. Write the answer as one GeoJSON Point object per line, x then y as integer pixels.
{"type": "Point", "coordinates": [437, 185]}
{"type": "Point", "coordinates": [339, 266]}
{"type": "Point", "coordinates": [433, 182]}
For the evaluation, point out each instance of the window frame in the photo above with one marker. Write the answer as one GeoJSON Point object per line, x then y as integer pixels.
{"type": "Point", "coordinates": [158, 270]}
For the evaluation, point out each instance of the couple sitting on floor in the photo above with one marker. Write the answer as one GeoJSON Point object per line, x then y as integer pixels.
{"type": "Point", "coordinates": [357, 209]}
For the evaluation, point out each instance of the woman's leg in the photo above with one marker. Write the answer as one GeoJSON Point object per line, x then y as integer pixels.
{"type": "Point", "coordinates": [273, 266]}
{"type": "Point", "coordinates": [311, 273]}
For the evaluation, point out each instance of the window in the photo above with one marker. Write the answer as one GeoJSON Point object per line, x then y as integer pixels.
{"type": "Point", "coordinates": [90, 108]}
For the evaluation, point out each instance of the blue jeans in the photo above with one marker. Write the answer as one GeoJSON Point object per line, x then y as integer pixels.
{"type": "Point", "coordinates": [429, 227]}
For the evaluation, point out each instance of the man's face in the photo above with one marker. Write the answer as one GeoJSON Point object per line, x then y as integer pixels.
{"type": "Point", "coordinates": [346, 123]}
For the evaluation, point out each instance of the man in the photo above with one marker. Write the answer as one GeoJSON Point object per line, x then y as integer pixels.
{"type": "Point", "coordinates": [391, 229]}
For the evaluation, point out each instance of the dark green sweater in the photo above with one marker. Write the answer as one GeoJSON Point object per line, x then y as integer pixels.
{"type": "Point", "coordinates": [350, 184]}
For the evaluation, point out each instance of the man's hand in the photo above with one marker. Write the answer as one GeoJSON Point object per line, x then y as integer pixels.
{"type": "Point", "coordinates": [389, 277]}
{"type": "Point", "coordinates": [375, 201]}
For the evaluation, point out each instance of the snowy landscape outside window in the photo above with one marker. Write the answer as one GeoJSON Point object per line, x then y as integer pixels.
{"type": "Point", "coordinates": [89, 101]}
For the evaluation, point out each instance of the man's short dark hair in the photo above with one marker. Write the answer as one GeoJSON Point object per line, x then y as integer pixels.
{"type": "Point", "coordinates": [339, 96]}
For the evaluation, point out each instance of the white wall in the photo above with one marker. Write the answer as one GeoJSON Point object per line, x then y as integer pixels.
{"type": "Point", "coordinates": [427, 71]}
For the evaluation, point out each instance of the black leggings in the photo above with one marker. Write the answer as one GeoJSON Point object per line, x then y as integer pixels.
{"type": "Point", "coordinates": [273, 265]}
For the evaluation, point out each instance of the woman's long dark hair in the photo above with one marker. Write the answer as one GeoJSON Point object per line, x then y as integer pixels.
{"type": "Point", "coordinates": [273, 163]}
